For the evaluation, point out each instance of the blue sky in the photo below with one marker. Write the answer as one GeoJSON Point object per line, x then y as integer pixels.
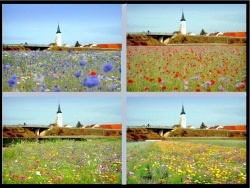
{"type": "Point", "coordinates": [166, 17]}
{"type": "Point", "coordinates": [41, 109]}
{"type": "Point", "coordinates": [86, 23]}
{"type": "Point", "coordinates": [212, 109]}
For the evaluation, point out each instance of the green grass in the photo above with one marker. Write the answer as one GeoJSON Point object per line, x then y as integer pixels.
{"type": "Point", "coordinates": [96, 161]}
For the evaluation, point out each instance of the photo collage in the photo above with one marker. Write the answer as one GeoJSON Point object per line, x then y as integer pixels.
{"type": "Point", "coordinates": [124, 93]}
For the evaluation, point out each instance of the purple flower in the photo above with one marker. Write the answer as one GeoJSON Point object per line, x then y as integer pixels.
{"type": "Point", "coordinates": [108, 67]}
{"type": "Point", "coordinates": [43, 87]}
{"type": "Point", "coordinates": [6, 67]}
{"type": "Point", "coordinates": [82, 63]}
{"type": "Point", "coordinates": [12, 81]}
{"type": "Point", "coordinates": [78, 74]}
{"type": "Point", "coordinates": [90, 81]}
{"type": "Point", "coordinates": [119, 69]}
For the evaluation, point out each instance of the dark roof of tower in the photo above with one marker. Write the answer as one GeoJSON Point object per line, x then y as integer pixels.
{"type": "Point", "coordinates": [58, 29]}
{"type": "Point", "coordinates": [59, 109]}
{"type": "Point", "coordinates": [182, 17]}
{"type": "Point", "coordinates": [182, 111]}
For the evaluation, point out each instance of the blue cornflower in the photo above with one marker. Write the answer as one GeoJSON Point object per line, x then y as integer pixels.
{"type": "Point", "coordinates": [13, 81]}
{"type": "Point", "coordinates": [6, 67]}
{"type": "Point", "coordinates": [54, 69]}
{"type": "Point", "coordinates": [119, 69]}
{"type": "Point", "coordinates": [108, 67]}
{"type": "Point", "coordinates": [57, 90]}
{"type": "Point", "coordinates": [82, 63]}
{"type": "Point", "coordinates": [43, 87]}
{"type": "Point", "coordinates": [78, 74]}
{"type": "Point", "coordinates": [90, 81]}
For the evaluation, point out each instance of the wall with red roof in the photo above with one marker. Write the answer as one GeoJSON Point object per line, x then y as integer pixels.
{"type": "Point", "coordinates": [234, 127]}
{"type": "Point", "coordinates": [234, 34]}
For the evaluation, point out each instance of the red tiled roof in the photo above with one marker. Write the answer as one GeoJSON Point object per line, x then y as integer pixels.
{"type": "Point", "coordinates": [234, 34]}
{"type": "Point", "coordinates": [111, 126]}
{"type": "Point", "coordinates": [235, 127]}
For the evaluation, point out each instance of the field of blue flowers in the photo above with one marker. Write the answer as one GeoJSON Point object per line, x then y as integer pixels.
{"type": "Point", "coordinates": [61, 71]}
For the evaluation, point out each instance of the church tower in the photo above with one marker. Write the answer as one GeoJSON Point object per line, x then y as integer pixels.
{"type": "Point", "coordinates": [59, 116]}
{"type": "Point", "coordinates": [183, 122]}
{"type": "Point", "coordinates": [183, 28]}
{"type": "Point", "coordinates": [58, 40]}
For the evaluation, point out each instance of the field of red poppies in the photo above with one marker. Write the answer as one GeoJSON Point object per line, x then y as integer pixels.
{"type": "Point", "coordinates": [186, 68]}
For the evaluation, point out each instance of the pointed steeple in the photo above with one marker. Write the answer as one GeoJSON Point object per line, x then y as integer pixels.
{"type": "Point", "coordinates": [182, 18]}
{"type": "Point", "coordinates": [59, 109]}
{"type": "Point", "coordinates": [58, 29]}
{"type": "Point", "coordinates": [182, 111]}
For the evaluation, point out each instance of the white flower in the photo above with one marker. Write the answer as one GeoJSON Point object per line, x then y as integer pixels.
{"type": "Point", "coordinates": [38, 173]}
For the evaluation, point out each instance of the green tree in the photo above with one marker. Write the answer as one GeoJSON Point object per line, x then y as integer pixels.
{"type": "Point", "coordinates": [203, 126]}
{"type": "Point", "coordinates": [79, 125]}
{"type": "Point", "coordinates": [203, 32]}
{"type": "Point", "coordinates": [77, 44]}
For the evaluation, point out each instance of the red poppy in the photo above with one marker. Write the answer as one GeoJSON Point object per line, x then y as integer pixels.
{"type": "Point", "coordinates": [198, 90]}
{"type": "Point", "coordinates": [146, 88]}
{"type": "Point", "coordinates": [151, 79]}
{"type": "Point", "coordinates": [208, 90]}
{"type": "Point", "coordinates": [92, 73]}
{"type": "Point", "coordinates": [163, 88]}
{"type": "Point", "coordinates": [176, 74]}
{"type": "Point", "coordinates": [212, 82]}
{"type": "Point", "coordinates": [219, 71]}
{"type": "Point", "coordinates": [130, 81]}
{"type": "Point", "coordinates": [159, 80]}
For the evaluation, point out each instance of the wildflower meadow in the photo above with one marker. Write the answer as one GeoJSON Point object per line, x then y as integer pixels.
{"type": "Point", "coordinates": [61, 71]}
{"type": "Point", "coordinates": [186, 68]}
{"type": "Point", "coordinates": [187, 162]}
{"type": "Point", "coordinates": [96, 161]}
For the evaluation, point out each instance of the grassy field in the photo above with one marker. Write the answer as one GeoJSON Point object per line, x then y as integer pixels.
{"type": "Point", "coordinates": [186, 68]}
{"type": "Point", "coordinates": [187, 162]}
{"type": "Point", "coordinates": [56, 161]}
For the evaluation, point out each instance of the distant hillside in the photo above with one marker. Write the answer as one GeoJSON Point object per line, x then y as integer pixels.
{"type": "Point", "coordinates": [144, 40]}
{"type": "Point", "coordinates": [107, 47]}
{"type": "Point", "coordinates": [137, 134]}
{"type": "Point", "coordinates": [56, 131]}
{"type": "Point", "coordinates": [106, 130]}
{"type": "Point", "coordinates": [18, 132]}
{"type": "Point", "coordinates": [180, 132]}
{"type": "Point", "coordinates": [186, 39]}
